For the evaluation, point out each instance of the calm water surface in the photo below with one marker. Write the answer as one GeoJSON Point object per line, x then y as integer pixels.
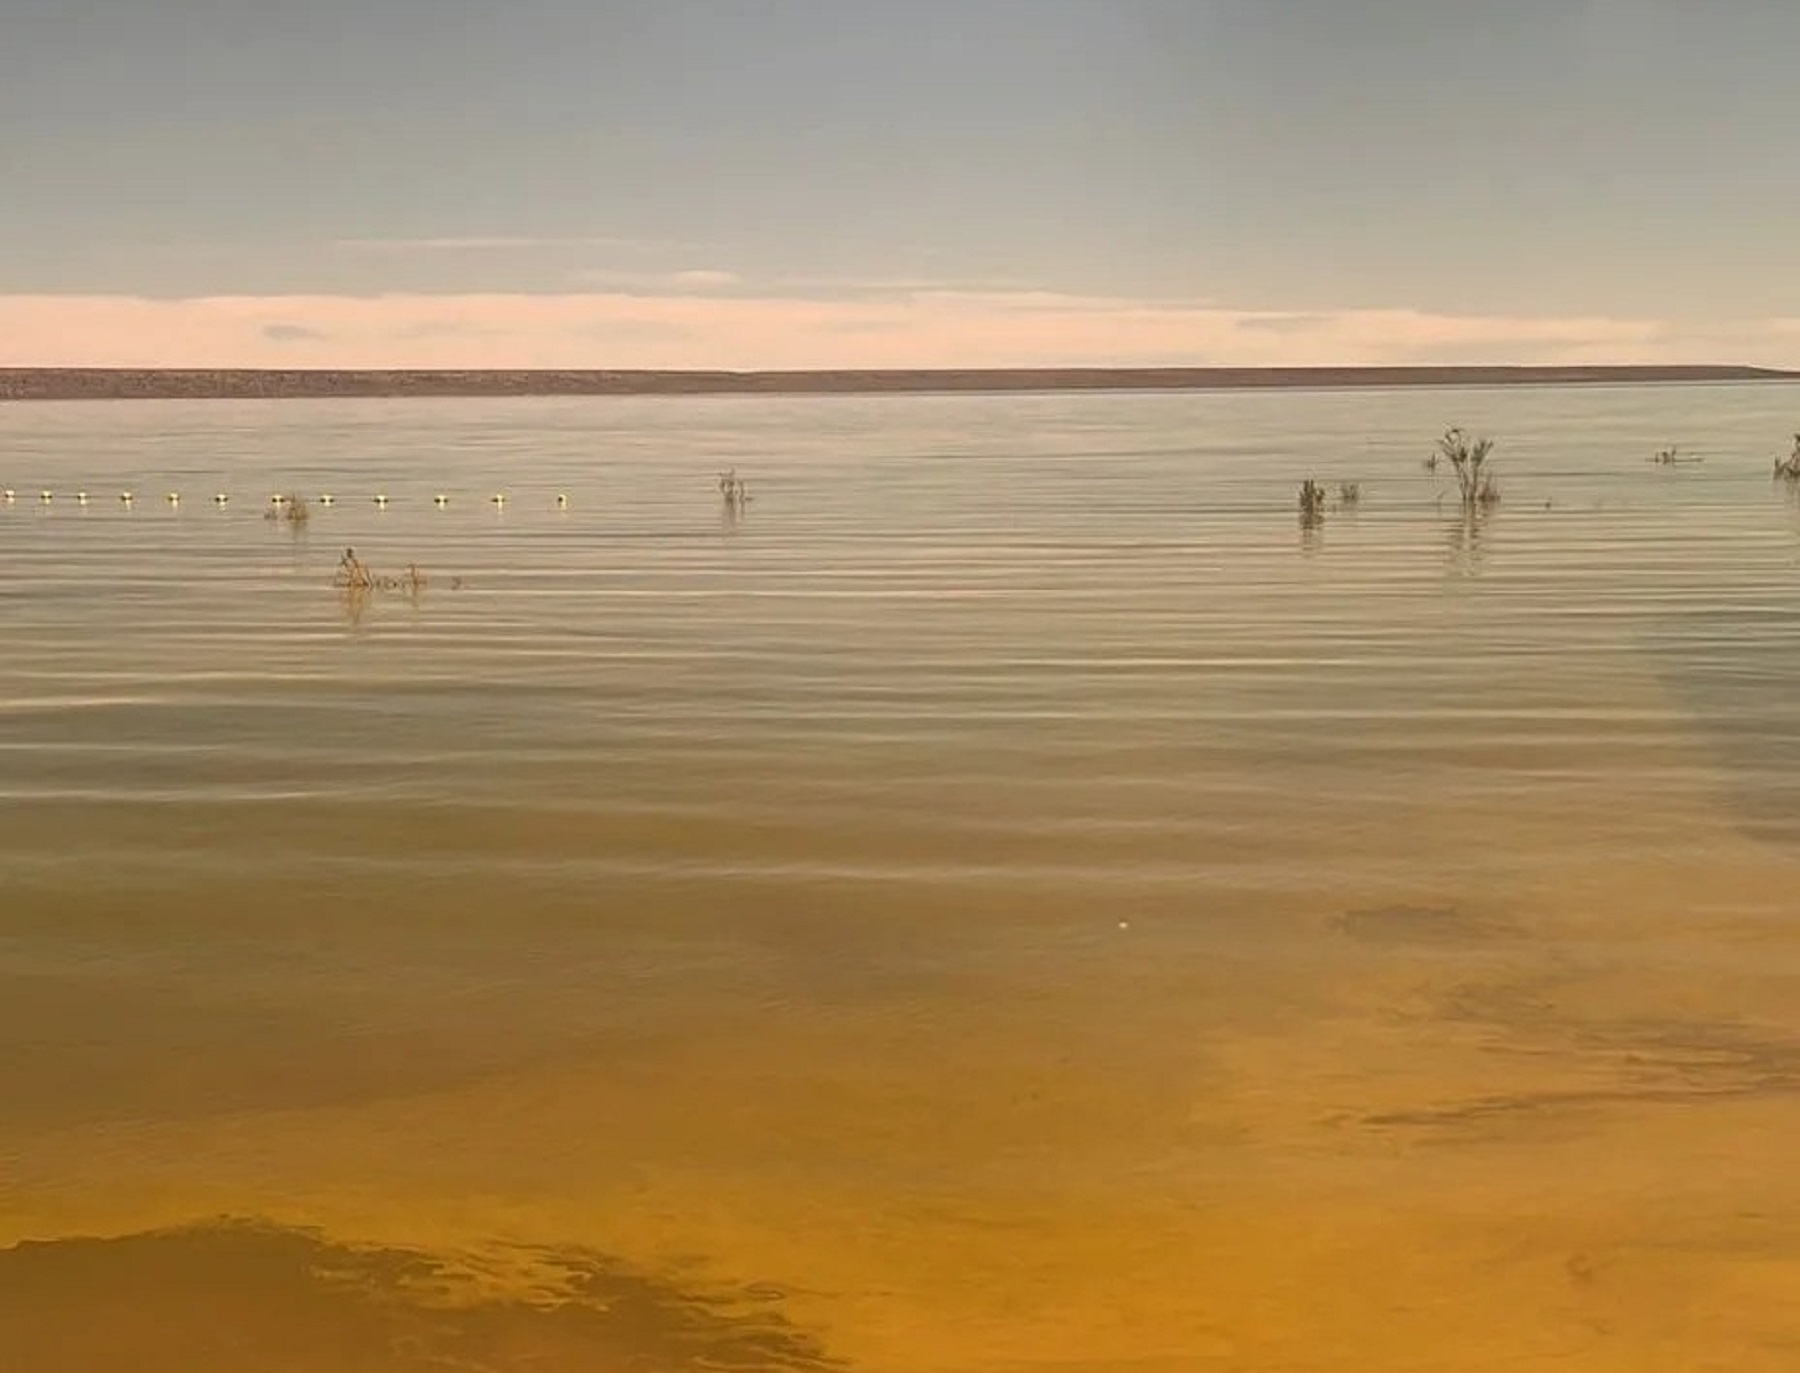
{"type": "Point", "coordinates": [1011, 901]}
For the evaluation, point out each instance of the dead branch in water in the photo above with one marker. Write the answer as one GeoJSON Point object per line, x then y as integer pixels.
{"type": "Point", "coordinates": [354, 575]}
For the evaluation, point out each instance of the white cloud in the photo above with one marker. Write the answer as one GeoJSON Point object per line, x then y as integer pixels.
{"type": "Point", "coordinates": [701, 328]}
{"type": "Point", "coordinates": [856, 285]}
{"type": "Point", "coordinates": [693, 280]}
{"type": "Point", "coordinates": [500, 243]}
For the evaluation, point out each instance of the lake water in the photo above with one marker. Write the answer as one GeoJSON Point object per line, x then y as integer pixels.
{"type": "Point", "coordinates": [1013, 900]}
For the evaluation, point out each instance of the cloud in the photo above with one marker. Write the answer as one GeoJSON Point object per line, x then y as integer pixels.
{"type": "Point", "coordinates": [444, 328]}
{"type": "Point", "coordinates": [1036, 300]}
{"type": "Point", "coordinates": [702, 328]}
{"type": "Point", "coordinates": [890, 286]}
{"type": "Point", "coordinates": [499, 243]}
{"type": "Point", "coordinates": [1285, 324]}
{"type": "Point", "coordinates": [852, 324]}
{"type": "Point", "coordinates": [704, 278]}
{"type": "Point", "coordinates": [694, 280]}
{"type": "Point", "coordinates": [1019, 296]}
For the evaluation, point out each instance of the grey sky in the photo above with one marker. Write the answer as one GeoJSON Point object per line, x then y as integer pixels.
{"type": "Point", "coordinates": [1623, 157]}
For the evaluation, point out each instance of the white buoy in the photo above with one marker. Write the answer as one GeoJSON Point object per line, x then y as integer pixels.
{"type": "Point", "coordinates": [81, 498]}
{"type": "Point", "coordinates": [381, 502]}
{"type": "Point", "coordinates": [440, 500]}
{"type": "Point", "coordinates": [174, 498]}
{"type": "Point", "coordinates": [220, 498]}
{"type": "Point", "coordinates": [126, 498]}
{"type": "Point", "coordinates": [327, 500]}
{"type": "Point", "coordinates": [44, 498]}
{"type": "Point", "coordinates": [562, 501]}
{"type": "Point", "coordinates": [8, 495]}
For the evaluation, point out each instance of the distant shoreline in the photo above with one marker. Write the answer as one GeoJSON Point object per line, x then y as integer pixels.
{"type": "Point", "coordinates": [69, 383]}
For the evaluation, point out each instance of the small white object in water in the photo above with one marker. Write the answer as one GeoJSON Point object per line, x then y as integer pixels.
{"type": "Point", "coordinates": [440, 500]}
{"type": "Point", "coordinates": [81, 498]}
{"type": "Point", "coordinates": [126, 498]}
{"type": "Point", "coordinates": [327, 500]}
{"type": "Point", "coordinates": [44, 497]}
{"type": "Point", "coordinates": [1124, 924]}
{"type": "Point", "coordinates": [562, 502]}
{"type": "Point", "coordinates": [381, 501]}
{"type": "Point", "coordinates": [174, 498]}
{"type": "Point", "coordinates": [8, 495]}
{"type": "Point", "coordinates": [499, 498]}
{"type": "Point", "coordinates": [220, 498]}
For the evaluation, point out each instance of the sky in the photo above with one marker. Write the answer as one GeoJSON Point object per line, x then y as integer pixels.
{"type": "Point", "coordinates": [897, 183]}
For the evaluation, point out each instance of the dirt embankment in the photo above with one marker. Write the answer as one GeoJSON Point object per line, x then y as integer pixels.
{"type": "Point", "coordinates": [54, 383]}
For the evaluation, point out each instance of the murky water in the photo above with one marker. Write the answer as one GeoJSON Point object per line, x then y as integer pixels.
{"type": "Point", "coordinates": [1010, 901]}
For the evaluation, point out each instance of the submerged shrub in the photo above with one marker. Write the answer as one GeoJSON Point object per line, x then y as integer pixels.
{"type": "Point", "coordinates": [1788, 468]}
{"type": "Point", "coordinates": [1312, 503]}
{"type": "Point", "coordinates": [289, 509]}
{"type": "Point", "coordinates": [1468, 459]}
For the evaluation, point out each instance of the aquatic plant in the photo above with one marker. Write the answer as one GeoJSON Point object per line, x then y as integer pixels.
{"type": "Point", "coordinates": [1312, 503]}
{"type": "Point", "coordinates": [288, 509]}
{"type": "Point", "coordinates": [352, 573]}
{"type": "Point", "coordinates": [1349, 494]}
{"type": "Point", "coordinates": [1468, 458]}
{"type": "Point", "coordinates": [1788, 468]}
{"type": "Point", "coordinates": [731, 487]}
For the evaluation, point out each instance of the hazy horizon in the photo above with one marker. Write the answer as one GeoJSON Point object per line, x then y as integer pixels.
{"type": "Point", "coordinates": [566, 183]}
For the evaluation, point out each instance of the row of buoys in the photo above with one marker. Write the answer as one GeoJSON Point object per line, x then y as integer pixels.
{"type": "Point", "coordinates": [221, 499]}
{"type": "Point", "coordinates": [9, 496]}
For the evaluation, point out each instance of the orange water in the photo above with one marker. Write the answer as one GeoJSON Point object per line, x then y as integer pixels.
{"type": "Point", "coordinates": [1011, 901]}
